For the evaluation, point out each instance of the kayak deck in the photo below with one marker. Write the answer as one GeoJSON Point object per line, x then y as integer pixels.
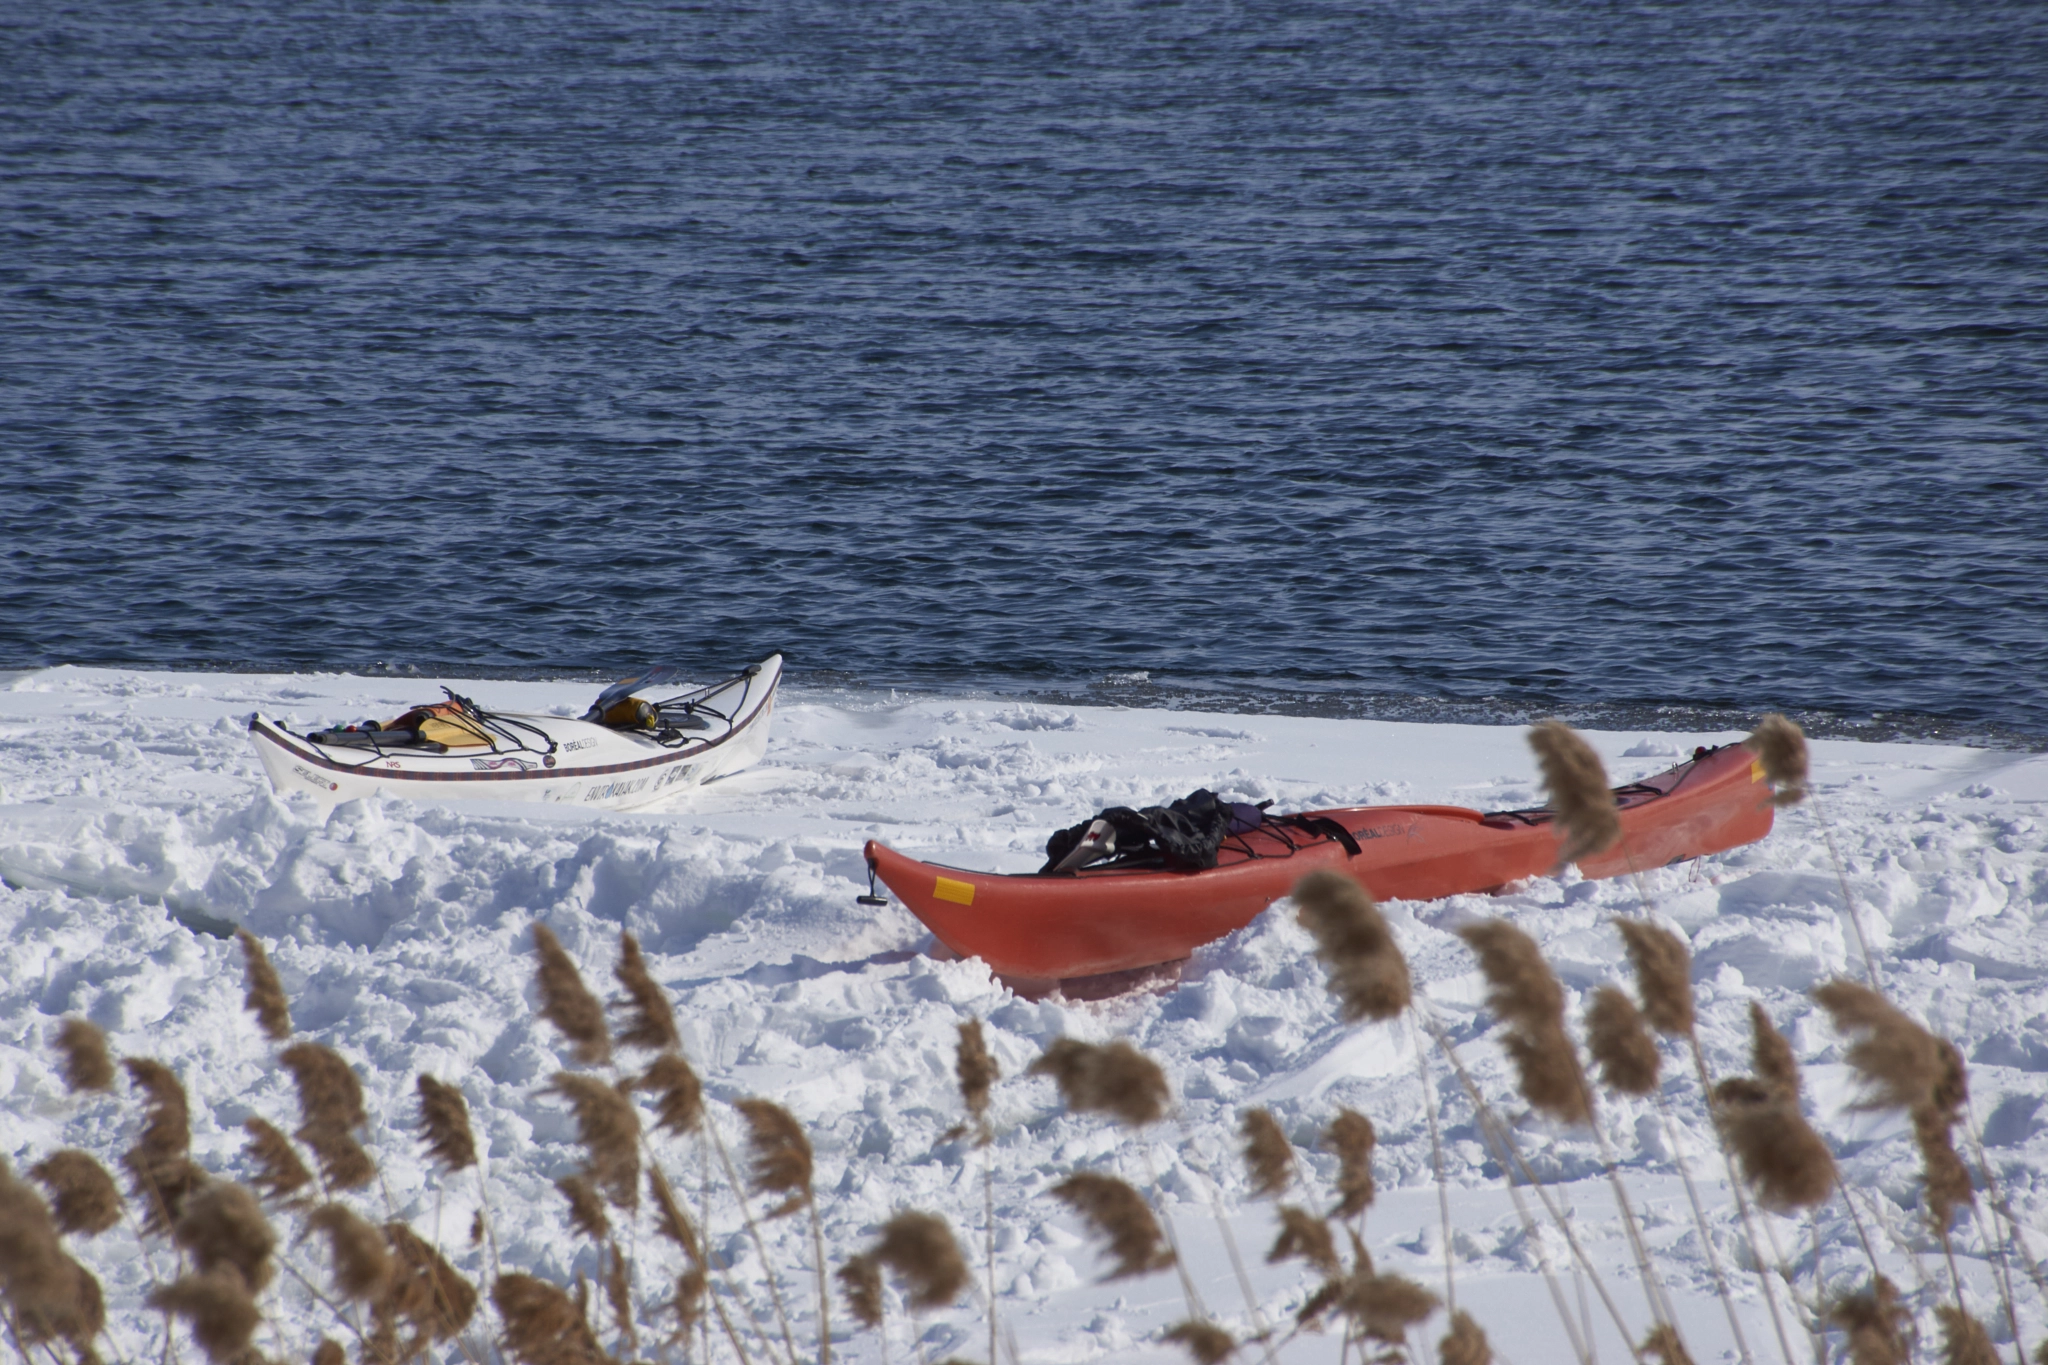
{"type": "Point", "coordinates": [1049, 926]}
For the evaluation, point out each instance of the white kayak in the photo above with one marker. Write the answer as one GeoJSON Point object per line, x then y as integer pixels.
{"type": "Point", "coordinates": [629, 750]}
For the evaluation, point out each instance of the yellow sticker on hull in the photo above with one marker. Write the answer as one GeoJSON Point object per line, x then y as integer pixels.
{"type": "Point", "coordinates": [1756, 770]}
{"type": "Point", "coordinates": [960, 893]}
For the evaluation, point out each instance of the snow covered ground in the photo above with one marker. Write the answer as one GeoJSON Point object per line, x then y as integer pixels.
{"type": "Point", "coordinates": [132, 809]}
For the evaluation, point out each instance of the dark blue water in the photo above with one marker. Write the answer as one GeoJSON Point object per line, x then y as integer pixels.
{"type": "Point", "coordinates": [1368, 356]}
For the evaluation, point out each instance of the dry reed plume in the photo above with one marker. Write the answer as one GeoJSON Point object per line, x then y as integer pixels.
{"type": "Point", "coordinates": [1663, 975]}
{"type": "Point", "coordinates": [1782, 1158]}
{"type": "Point", "coordinates": [1366, 970]}
{"type": "Point", "coordinates": [1577, 783]}
{"type": "Point", "coordinates": [1465, 1343]}
{"type": "Point", "coordinates": [1663, 1343]}
{"type": "Point", "coordinates": [543, 1325]}
{"type": "Point", "coordinates": [1352, 1136]}
{"type": "Point", "coordinates": [83, 1197]}
{"type": "Point", "coordinates": [692, 1286]}
{"type": "Point", "coordinates": [223, 1225]}
{"type": "Point", "coordinates": [1901, 1061]}
{"type": "Point", "coordinates": [1877, 1324]}
{"type": "Point", "coordinates": [669, 1219]}
{"type": "Point", "coordinates": [1305, 1237]}
{"type": "Point", "coordinates": [921, 1249]}
{"type": "Point", "coordinates": [263, 993]}
{"type": "Point", "coordinates": [330, 1109]}
{"type": "Point", "coordinates": [48, 1295]}
{"type": "Point", "coordinates": [586, 1206]}
{"type": "Point", "coordinates": [618, 1292]}
{"type": "Point", "coordinates": [344, 1163]}
{"type": "Point", "coordinates": [362, 1261]}
{"type": "Point", "coordinates": [650, 1021]}
{"type": "Point", "coordinates": [977, 1073]}
{"type": "Point", "coordinates": [279, 1172]}
{"type": "Point", "coordinates": [1267, 1153]}
{"type": "Point", "coordinates": [1206, 1343]}
{"type": "Point", "coordinates": [218, 1307]}
{"type": "Point", "coordinates": [1907, 1067]}
{"type": "Point", "coordinates": [424, 1292]}
{"type": "Point", "coordinates": [609, 1129]}
{"type": "Point", "coordinates": [860, 1279]}
{"type": "Point", "coordinates": [1527, 997]}
{"type": "Point", "coordinates": [1780, 746]}
{"type": "Point", "coordinates": [158, 1163]}
{"type": "Point", "coordinates": [781, 1154]}
{"type": "Point", "coordinates": [1114, 1079]}
{"type": "Point", "coordinates": [1963, 1339]}
{"type": "Point", "coordinates": [567, 1003]}
{"type": "Point", "coordinates": [87, 1065]}
{"type": "Point", "coordinates": [1384, 1307]}
{"type": "Point", "coordinates": [1770, 1054]}
{"type": "Point", "coordinates": [1121, 1217]}
{"type": "Point", "coordinates": [330, 1096]}
{"type": "Point", "coordinates": [1620, 1044]}
{"type": "Point", "coordinates": [678, 1094]}
{"type": "Point", "coordinates": [444, 1118]}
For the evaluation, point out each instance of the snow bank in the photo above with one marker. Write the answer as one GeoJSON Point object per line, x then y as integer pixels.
{"type": "Point", "coordinates": [135, 826]}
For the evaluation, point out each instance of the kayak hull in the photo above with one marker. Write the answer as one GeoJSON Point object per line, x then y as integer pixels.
{"type": "Point", "coordinates": [591, 764]}
{"type": "Point", "coordinates": [1043, 927]}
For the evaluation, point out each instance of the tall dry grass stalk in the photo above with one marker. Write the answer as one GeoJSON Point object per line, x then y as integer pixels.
{"type": "Point", "coordinates": [567, 1003]}
{"type": "Point", "coordinates": [1527, 996]}
{"type": "Point", "coordinates": [1576, 781]}
{"type": "Point", "coordinates": [263, 993]}
{"type": "Point", "coordinates": [782, 1164]}
{"type": "Point", "coordinates": [1780, 748]}
{"type": "Point", "coordinates": [650, 1021]}
{"type": "Point", "coordinates": [87, 1063]}
{"type": "Point", "coordinates": [974, 1066]}
{"type": "Point", "coordinates": [1112, 1078]}
{"type": "Point", "coordinates": [1663, 968]}
{"type": "Point", "coordinates": [1121, 1217]}
{"type": "Point", "coordinates": [1365, 967]}
{"type": "Point", "coordinates": [1906, 1067]}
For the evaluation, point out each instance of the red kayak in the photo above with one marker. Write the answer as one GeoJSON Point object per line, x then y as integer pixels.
{"type": "Point", "coordinates": [1048, 926]}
